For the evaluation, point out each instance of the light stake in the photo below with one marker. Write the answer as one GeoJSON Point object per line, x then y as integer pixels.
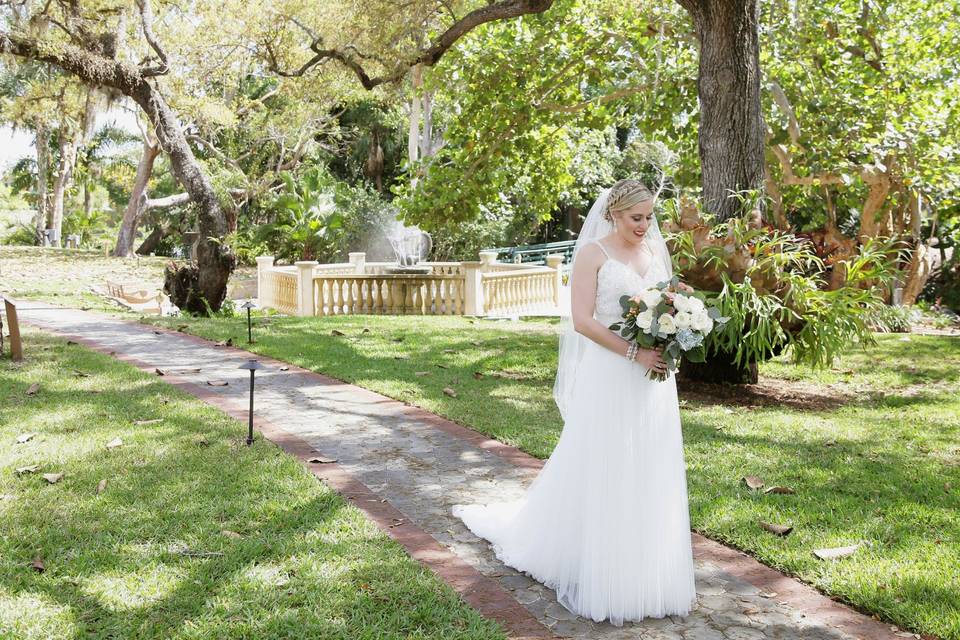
{"type": "Point", "coordinates": [251, 366]}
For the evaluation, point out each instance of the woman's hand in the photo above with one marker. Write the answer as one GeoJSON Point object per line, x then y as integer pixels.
{"type": "Point", "coordinates": [652, 359]}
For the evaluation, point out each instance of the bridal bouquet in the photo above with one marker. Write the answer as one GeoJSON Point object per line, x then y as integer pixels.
{"type": "Point", "coordinates": [663, 316]}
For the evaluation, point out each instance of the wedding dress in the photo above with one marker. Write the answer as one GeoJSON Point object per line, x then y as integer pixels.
{"type": "Point", "coordinates": [606, 522]}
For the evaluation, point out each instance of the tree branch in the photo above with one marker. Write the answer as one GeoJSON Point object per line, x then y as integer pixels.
{"type": "Point", "coordinates": [146, 15]}
{"type": "Point", "coordinates": [429, 57]}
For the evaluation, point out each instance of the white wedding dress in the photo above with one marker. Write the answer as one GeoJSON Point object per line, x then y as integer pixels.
{"type": "Point", "coordinates": [606, 522]}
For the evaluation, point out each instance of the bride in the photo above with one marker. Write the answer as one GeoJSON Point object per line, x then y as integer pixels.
{"type": "Point", "coordinates": [606, 522]}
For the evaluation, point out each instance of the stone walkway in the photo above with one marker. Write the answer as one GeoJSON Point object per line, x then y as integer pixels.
{"type": "Point", "coordinates": [406, 467]}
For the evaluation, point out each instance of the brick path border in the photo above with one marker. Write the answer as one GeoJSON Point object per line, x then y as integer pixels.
{"type": "Point", "coordinates": [481, 592]}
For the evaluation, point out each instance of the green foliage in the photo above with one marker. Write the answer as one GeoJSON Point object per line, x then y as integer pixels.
{"type": "Point", "coordinates": [773, 287]}
{"type": "Point", "coordinates": [305, 222]}
{"type": "Point", "coordinates": [90, 226]}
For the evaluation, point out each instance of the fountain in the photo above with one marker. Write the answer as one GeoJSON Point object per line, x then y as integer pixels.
{"type": "Point", "coordinates": [410, 245]}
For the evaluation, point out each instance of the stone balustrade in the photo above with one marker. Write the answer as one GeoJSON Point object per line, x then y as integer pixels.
{"type": "Point", "coordinates": [484, 287]}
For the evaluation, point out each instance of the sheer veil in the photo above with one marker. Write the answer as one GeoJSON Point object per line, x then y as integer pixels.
{"type": "Point", "coordinates": [572, 344]}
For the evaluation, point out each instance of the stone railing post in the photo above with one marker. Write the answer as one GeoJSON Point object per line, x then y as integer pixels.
{"type": "Point", "coordinates": [555, 262]}
{"type": "Point", "coordinates": [473, 288]}
{"type": "Point", "coordinates": [359, 261]}
{"type": "Point", "coordinates": [263, 263]}
{"type": "Point", "coordinates": [487, 258]}
{"type": "Point", "coordinates": [305, 287]}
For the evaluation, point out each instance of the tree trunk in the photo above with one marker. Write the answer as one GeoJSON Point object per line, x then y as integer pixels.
{"type": "Point", "coordinates": [43, 180]}
{"type": "Point", "coordinates": [68, 159]}
{"type": "Point", "coordinates": [720, 368]}
{"type": "Point", "coordinates": [731, 134]}
{"type": "Point", "coordinates": [215, 261]}
{"type": "Point", "coordinates": [152, 241]}
{"type": "Point", "coordinates": [138, 196]}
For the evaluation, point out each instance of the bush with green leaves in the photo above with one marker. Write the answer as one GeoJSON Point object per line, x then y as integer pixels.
{"type": "Point", "coordinates": [305, 223]}
{"type": "Point", "coordinates": [774, 288]}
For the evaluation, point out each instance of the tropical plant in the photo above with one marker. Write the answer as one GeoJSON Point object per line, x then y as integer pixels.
{"type": "Point", "coordinates": [306, 224]}
{"type": "Point", "coordinates": [775, 288]}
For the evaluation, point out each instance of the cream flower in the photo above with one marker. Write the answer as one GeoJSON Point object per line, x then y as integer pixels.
{"type": "Point", "coordinates": [651, 297]}
{"type": "Point", "coordinates": [644, 319]}
{"type": "Point", "coordinates": [683, 319]}
{"type": "Point", "coordinates": [702, 322]}
{"type": "Point", "coordinates": [667, 324]}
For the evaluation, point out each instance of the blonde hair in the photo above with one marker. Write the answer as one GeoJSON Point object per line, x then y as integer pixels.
{"type": "Point", "coordinates": [624, 194]}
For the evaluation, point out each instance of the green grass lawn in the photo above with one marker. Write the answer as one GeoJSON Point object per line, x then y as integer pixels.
{"type": "Point", "coordinates": [194, 534]}
{"type": "Point", "coordinates": [872, 448]}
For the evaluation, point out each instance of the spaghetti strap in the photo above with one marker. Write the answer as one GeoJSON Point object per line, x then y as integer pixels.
{"type": "Point", "coordinates": [602, 248]}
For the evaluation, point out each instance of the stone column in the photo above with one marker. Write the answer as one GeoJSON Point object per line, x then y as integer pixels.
{"type": "Point", "coordinates": [263, 263]}
{"type": "Point", "coordinates": [487, 258]}
{"type": "Point", "coordinates": [305, 287]}
{"type": "Point", "coordinates": [473, 288]}
{"type": "Point", "coordinates": [555, 262]}
{"type": "Point", "coordinates": [359, 261]}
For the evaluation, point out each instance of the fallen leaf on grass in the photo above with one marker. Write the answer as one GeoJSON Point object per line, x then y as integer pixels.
{"type": "Point", "coordinates": [398, 339]}
{"type": "Point", "coordinates": [101, 486]}
{"type": "Point", "coordinates": [477, 375]}
{"type": "Point", "coordinates": [80, 374]}
{"type": "Point", "coordinates": [203, 442]}
{"type": "Point", "coordinates": [140, 423]}
{"type": "Point", "coordinates": [336, 332]}
{"type": "Point", "coordinates": [946, 487]}
{"type": "Point", "coordinates": [28, 469]}
{"type": "Point", "coordinates": [113, 444]}
{"type": "Point", "coordinates": [836, 552]}
{"type": "Point", "coordinates": [783, 490]}
{"type": "Point", "coordinates": [321, 460]}
{"type": "Point", "coordinates": [450, 392]}
{"type": "Point", "coordinates": [217, 383]}
{"type": "Point", "coordinates": [230, 534]}
{"type": "Point", "coordinates": [754, 482]}
{"type": "Point", "coordinates": [53, 478]}
{"type": "Point", "coordinates": [421, 373]}
{"type": "Point", "coordinates": [476, 343]}
{"type": "Point", "coordinates": [33, 389]}
{"type": "Point", "coordinates": [449, 350]}
{"type": "Point", "coordinates": [37, 565]}
{"type": "Point", "coordinates": [401, 357]}
{"type": "Point", "coordinates": [26, 437]}
{"type": "Point", "coordinates": [779, 529]}
{"type": "Point", "coordinates": [442, 366]}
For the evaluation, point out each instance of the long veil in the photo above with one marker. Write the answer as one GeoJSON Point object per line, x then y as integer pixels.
{"type": "Point", "coordinates": [572, 344]}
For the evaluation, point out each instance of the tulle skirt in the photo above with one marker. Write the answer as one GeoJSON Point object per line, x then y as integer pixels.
{"type": "Point", "coordinates": [606, 522]}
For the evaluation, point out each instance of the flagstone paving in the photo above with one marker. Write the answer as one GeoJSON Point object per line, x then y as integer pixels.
{"type": "Point", "coordinates": [421, 465]}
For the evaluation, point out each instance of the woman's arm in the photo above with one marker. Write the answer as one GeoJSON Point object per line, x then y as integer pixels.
{"type": "Point", "coordinates": [583, 304]}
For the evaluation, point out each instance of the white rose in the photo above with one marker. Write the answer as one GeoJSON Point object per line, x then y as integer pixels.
{"type": "Point", "coordinates": [683, 319]}
{"type": "Point", "coordinates": [651, 297]}
{"type": "Point", "coordinates": [681, 303]}
{"type": "Point", "coordinates": [667, 324]}
{"type": "Point", "coordinates": [644, 319]}
{"type": "Point", "coordinates": [702, 322]}
{"type": "Point", "coordinates": [695, 304]}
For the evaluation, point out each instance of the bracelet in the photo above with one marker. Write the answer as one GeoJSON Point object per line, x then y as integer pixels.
{"type": "Point", "coordinates": [632, 351]}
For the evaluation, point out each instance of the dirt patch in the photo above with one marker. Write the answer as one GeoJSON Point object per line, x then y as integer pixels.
{"type": "Point", "coordinates": [768, 392]}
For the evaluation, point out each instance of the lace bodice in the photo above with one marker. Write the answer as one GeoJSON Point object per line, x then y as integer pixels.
{"type": "Point", "coordinates": [615, 279]}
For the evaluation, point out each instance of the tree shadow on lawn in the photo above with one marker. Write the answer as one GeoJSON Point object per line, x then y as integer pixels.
{"type": "Point", "coordinates": [892, 495]}
{"type": "Point", "coordinates": [118, 561]}
{"type": "Point", "coordinates": [301, 565]}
